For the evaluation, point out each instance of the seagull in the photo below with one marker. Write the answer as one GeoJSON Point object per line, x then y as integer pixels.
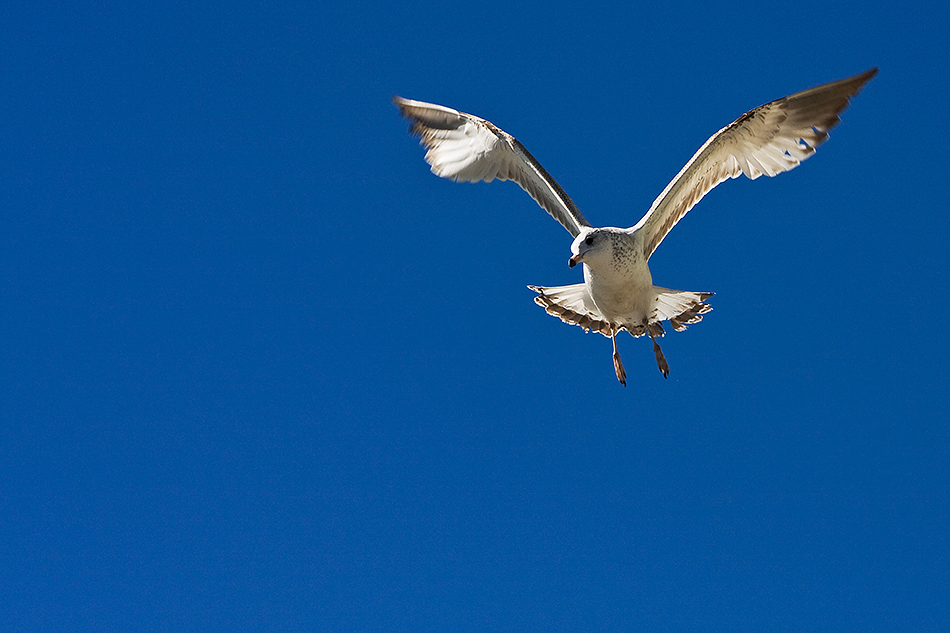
{"type": "Point", "coordinates": [618, 292]}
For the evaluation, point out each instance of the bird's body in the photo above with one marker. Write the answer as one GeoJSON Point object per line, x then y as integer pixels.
{"type": "Point", "coordinates": [620, 285]}
{"type": "Point", "coordinates": [618, 292]}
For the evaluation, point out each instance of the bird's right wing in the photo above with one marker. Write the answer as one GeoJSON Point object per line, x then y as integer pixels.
{"type": "Point", "coordinates": [465, 148]}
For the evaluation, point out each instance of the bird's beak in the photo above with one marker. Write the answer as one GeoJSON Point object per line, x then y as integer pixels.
{"type": "Point", "coordinates": [574, 260]}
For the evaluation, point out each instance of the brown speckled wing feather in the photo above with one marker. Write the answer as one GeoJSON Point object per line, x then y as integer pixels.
{"type": "Point", "coordinates": [770, 139]}
{"type": "Point", "coordinates": [466, 148]}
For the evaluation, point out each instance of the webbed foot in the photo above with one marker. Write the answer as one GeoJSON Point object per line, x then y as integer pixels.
{"type": "Point", "coordinates": [661, 360]}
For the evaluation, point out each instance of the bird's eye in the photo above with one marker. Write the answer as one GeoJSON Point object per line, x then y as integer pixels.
{"type": "Point", "coordinates": [589, 240]}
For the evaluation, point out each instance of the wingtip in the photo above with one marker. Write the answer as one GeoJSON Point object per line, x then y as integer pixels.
{"type": "Point", "coordinates": [866, 76]}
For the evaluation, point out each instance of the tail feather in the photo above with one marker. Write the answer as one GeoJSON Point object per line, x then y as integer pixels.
{"type": "Point", "coordinates": [572, 304]}
{"type": "Point", "coordinates": [680, 307]}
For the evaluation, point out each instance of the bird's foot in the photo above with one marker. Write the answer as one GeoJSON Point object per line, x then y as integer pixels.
{"type": "Point", "coordinates": [661, 360]}
{"type": "Point", "coordinates": [618, 367]}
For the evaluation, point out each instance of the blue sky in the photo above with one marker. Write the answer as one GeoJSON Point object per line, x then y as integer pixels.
{"type": "Point", "coordinates": [262, 371]}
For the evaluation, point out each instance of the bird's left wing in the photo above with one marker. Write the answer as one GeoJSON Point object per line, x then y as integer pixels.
{"type": "Point", "coordinates": [770, 139]}
{"type": "Point", "coordinates": [465, 148]}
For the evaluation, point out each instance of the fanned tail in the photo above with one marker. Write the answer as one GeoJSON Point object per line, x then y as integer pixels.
{"type": "Point", "coordinates": [572, 304]}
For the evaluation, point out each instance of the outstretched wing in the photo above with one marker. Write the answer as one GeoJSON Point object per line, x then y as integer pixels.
{"type": "Point", "coordinates": [465, 148]}
{"type": "Point", "coordinates": [770, 139]}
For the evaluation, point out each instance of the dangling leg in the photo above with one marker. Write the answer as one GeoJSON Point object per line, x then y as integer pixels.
{"type": "Point", "coordinates": [618, 366]}
{"type": "Point", "coordinates": [660, 358]}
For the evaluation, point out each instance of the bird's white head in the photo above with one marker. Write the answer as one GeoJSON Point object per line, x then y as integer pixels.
{"type": "Point", "coordinates": [588, 246]}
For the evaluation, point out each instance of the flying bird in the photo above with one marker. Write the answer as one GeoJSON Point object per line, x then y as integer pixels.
{"type": "Point", "coordinates": [618, 292]}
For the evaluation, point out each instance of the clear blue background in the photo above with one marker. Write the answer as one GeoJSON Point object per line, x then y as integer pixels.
{"type": "Point", "coordinates": [261, 371]}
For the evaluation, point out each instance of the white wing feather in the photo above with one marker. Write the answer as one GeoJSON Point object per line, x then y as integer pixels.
{"type": "Point", "coordinates": [770, 139]}
{"type": "Point", "coordinates": [465, 148]}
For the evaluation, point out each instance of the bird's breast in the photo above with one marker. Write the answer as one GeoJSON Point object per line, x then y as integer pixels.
{"type": "Point", "coordinates": [622, 293]}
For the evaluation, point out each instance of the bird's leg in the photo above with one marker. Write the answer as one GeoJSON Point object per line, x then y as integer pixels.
{"type": "Point", "coordinates": [618, 366]}
{"type": "Point", "coordinates": [660, 358]}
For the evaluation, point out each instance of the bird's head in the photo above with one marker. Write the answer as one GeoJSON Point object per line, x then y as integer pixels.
{"type": "Point", "coordinates": [587, 246]}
